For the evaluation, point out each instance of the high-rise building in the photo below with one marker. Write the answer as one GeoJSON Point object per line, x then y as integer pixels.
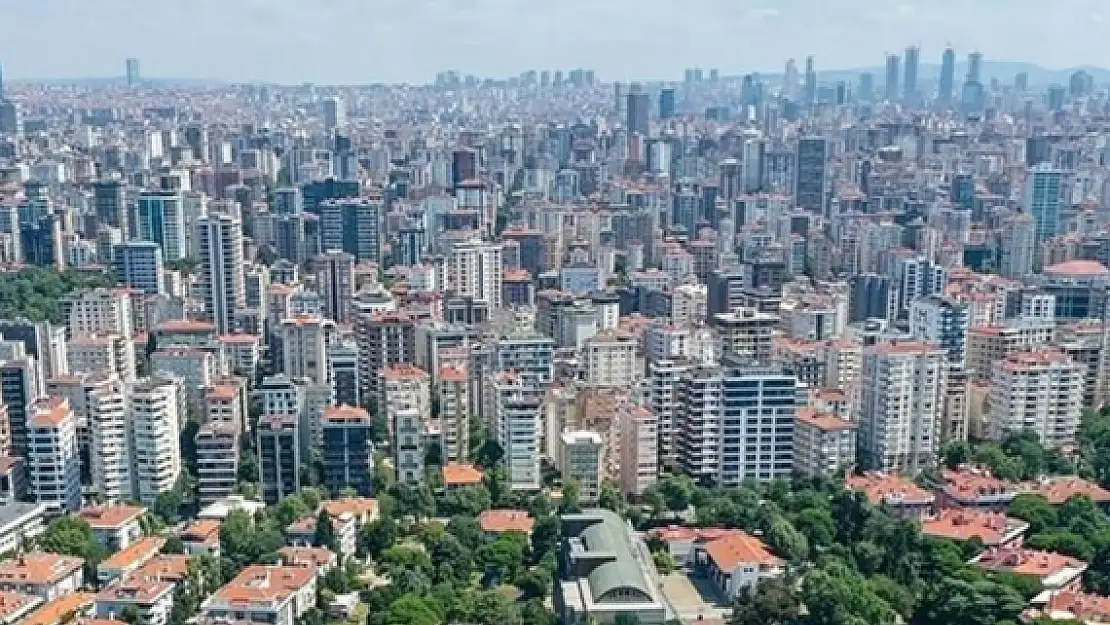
{"type": "Point", "coordinates": [133, 77]}
{"type": "Point", "coordinates": [53, 459]}
{"type": "Point", "coordinates": [348, 450]}
{"type": "Point", "coordinates": [138, 264]}
{"type": "Point", "coordinates": [945, 322]}
{"type": "Point", "coordinates": [610, 358]}
{"type": "Point", "coordinates": [1039, 390]}
{"type": "Point", "coordinates": [746, 335]}
{"type": "Point", "coordinates": [736, 425]}
{"type": "Point", "coordinates": [161, 219]}
{"type": "Point", "coordinates": [474, 269]}
{"type": "Point", "coordinates": [639, 107]}
{"type": "Point", "coordinates": [19, 388]}
{"type": "Point", "coordinates": [304, 344]}
{"type": "Point", "coordinates": [156, 412]}
{"type": "Point", "coordinates": [975, 67]}
{"type": "Point", "coordinates": [639, 446]}
{"type": "Point", "coordinates": [335, 114]}
{"type": "Point", "coordinates": [667, 108]}
{"type": "Point", "coordinates": [99, 311]}
{"type": "Point", "coordinates": [453, 386]}
{"type": "Point", "coordinates": [279, 456]}
{"type": "Point", "coordinates": [222, 288]}
{"type": "Point", "coordinates": [406, 403]}
{"type": "Point", "coordinates": [664, 376]}
{"type": "Point", "coordinates": [110, 205]}
{"type": "Point", "coordinates": [866, 91]}
{"type": "Point", "coordinates": [893, 72]}
{"type": "Point", "coordinates": [217, 449]}
{"type": "Point", "coordinates": [1043, 199]}
{"type": "Point", "coordinates": [1017, 241]}
{"type": "Point", "coordinates": [947, 82]}
{"type": "Point", "coordinates": [824, 444]}
{"type": "Point", "coordinates": [110, 445]}
{"type": "Point", "coordinates": [353, 225]}
{"type": "Point", "coordinates": [578, 456]}
{"type": "Point", "coordinates": [912, 63]}
{"type": "Point", "coordinates": [809, 181]}
{"type": "Point", "coordinates": [900, 405]}
{"type": "Point", "coordinates": [335, 282]}
{"type": "Point", "coordinates": [343, 373]}
{"type": "Point", "coordinates": [384, 338]}
{"type": "Point", "coordinates": [516, 426]}
{"type": "Point", "coordinates": [810, 83]}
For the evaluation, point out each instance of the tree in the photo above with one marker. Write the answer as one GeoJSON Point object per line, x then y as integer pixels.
{"type": "Point", "coordinates": [377, 536]}
{"type": "Point", "coordinates": [505, 554]}
{"type": "Point", "coordinates": [981, 602]}
{"type": "Point", "coordinates": [173, 544]}
{"type": "Point", "coordinates": [545, 535]}
{"type": "Point", "coordinates": [467, 531]}
{"type": "Point", "coordinates": [489, 455]}
{"type": "Point", "coordinates": [572, 492]}
{"type": "Point", "coordinates": [677, 491]}
{"type": "Point", "coordinates": [956, 453]}
{"type": "Point", "coordinates": [772, 604]}
{"type": "Point", "coordinates": [406, 557]}
{"type": "Point", "coordinates": [130, 614]}
{"type": "Point", "coordinates": [1033, 509]}
{"type": "Point", "coordinates": [787, 541]}
{"type": "Point", "coordinates": [168, 505]}
{"type": "Point", "coordinates": [412, 610]}
{"type": "Point", "coordinates": [837, 596]}
{"type": "Point", "coordinates": [626, 619]}
{"type": "Point", "coordinates": [611, 498]}
{"type": "Point", "coordinates": [72, 536]}
{"type": "Point", "coordinates": [325, 532]}
{"type": "Point", "coordinates": [534, 584]}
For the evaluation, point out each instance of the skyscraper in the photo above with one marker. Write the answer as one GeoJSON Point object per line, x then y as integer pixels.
{"type": "Point", "coordinates": [866, 87]}
{"type": "Point", "coordinates": [638, 108]}
{"type": "Point", "coordinates": [809, 182]}
{"type": "Point", "coordinates": [947, 80]}
{"type": "Point", "coordinates": [1043, 199]}
{"type": "Point", "coordinates": [335, 114]}
{"type": "Point", "coordinates": [975, 67]}
{"type": "Point", "coordinates": [913, 59]}
{"type": "Point", "coordinates": [666, 104]}
{"type": "Point", "coordinates": [335, 282]}
{"type": "Point", "coordinates": [222, 284]}
{"type": "Point", "coordinates": [133, 77]}
{"type": "Point", "coordinates": [893, 71]}
{"type": "Point", "coordinates": [810, 82]}
{"type": "Point", "coordinates": [162, 220]}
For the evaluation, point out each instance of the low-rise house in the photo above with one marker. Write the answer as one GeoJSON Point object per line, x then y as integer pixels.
{"type": "Point", "coordinates": [1055, 571]}
{"type": "Point", "coordinates": [115, 527]}
{"type": "Point", "coordinates": [993, 528]}
{"type": "Point", "coordinates": [268, 595]}
{"type": "Point", "coordinates": [321, 559]}
{"type": "Point", "coordinates": [681, 540]}
{"type": "Point", "coordinates": [302, 533]}
{"type": "Point", "coordinates": [127, 561]}
{"type": "Point", "coordinates": [500, 521]}
{"type": "Point", "coordinates": [152, 600]}
{"type": "Point", "coordinates": [14, 606]}
{"type": "Point", "coordinates": [900, 495]}
{"type": "Point", "coordinates": [1058, 490]}
{"type": "Point", "coordinates": [737, 563]}
{"type": "Point", "coordinates": [362, 509]}
{"type": "Point", "coordinates": [202, 537]}
{"type": "Point", "coordinates": [459, 475]}
{"type": "Point", "coordinates": [1069, 606]}
{"type": "Point", "coordinates": [63, 609]}
{"type": "Point", "coordinates": [45, 575]}
{"type": "Point", "coordinates": [20, 522]}
{"type": "Point", "coordinates": [975, 488]}
{"type": "Point", "coordinates": [222, 508]}
{"type": "Point", "coordinates": [173, 568]}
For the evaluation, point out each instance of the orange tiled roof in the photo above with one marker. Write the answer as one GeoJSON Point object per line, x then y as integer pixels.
{"type": "Point", "coordinates": [136, 554]}
{"type": "Point", "coordinates": [356, 506]}
{"type": "Point", "coordinates": [264, 583]}
{"type": "Point", "coordinates": [498, 521]}
{"type": "Point", "coordinates": [823, 421]}
{"type": "Point", "coordinates": [38, 568]}
{"type": "Point", "coordinates": [956, 524]}
{"type": "Point", "coordinates": [740, 548]}
{"type": "Point", "coordinates": [461, 474]}
{"type": "Point", "coordinates": [1058, 490]}
{"type": "Point", "coordinates": [52, 613]}
{"type": "Point", "coordinates": [890, 489]}
{"type": "Point", "coordinates": [110, 517]}
{"type": "Point", "coordinates": [204, 530]}
{"type": "Point", "coordinates": [12, 603]}
{"type": "Point", "coordinates": [1084, 607]}
{"type": "Point", "coordinates": [136, 590]}
{"type": "Point", "coordinates": [314, 557]}
{"type": "Point", "coordinates": [169, 567]}
{"type": "Point", "coordinates": [974, 483]}
{"type": "Point", "coordinates": [1028, 561]}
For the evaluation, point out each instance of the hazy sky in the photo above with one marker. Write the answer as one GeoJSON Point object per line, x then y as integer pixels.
{"type": "Point", "coordinates": [354, 41]}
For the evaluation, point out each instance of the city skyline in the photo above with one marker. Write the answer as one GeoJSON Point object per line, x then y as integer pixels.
{"type": "Point", "coordinates": [292, 42]}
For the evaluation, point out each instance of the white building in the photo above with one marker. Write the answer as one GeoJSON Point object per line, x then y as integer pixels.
{"type": "Point", "coordinates": [304, 345]}
{"type": "Point", "coordinates": [100, 354]}
{"type": "Point", "coordinates": [824, 444]}
{"type": "Point", "coordinates": [100, 311]}
{"type": "Point", "coordinates": [279, 595]}
{"type": "Point", "coordinates": [1039, 390]}
{"type": "Point", "coordinates": [610, 358]}
{"type": "Point", "coordinates": [110, 449]}
{"type": "Point", "coordinates": [220, 247]}
{"type": "Point", "coordinates": [900, 408]}
{"type": "Point", "coordinates": [474, 269]}
{"type": "Point", "coordinates": [217, 461]}
{"type": "Point", "coordinates": [156, 412]}
{"type": "Point", "coordinates": [407, 406]}
{"type": "Point", "coordinates": [53, 460]}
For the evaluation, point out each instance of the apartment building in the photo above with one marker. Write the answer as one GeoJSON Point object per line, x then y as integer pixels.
{"type": "Point", "coordinates": [1039, 390]}
{"type": "Point", "coordinates": [53, 461]}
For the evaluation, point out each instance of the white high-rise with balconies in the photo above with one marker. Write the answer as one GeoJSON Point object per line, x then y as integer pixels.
{"type": "Point", "coordinates": [110, 449]}
{"type": "Point", "coordinates": [304, 347]}
{"type": "Point", "coordinates": [474, 269]}
{"type": "Point", "coordinates": [53, 460]}
{"type": "Point", "coordinates": [610, 357]}
{"type": "Point", "coordinates": [155, 409]}
{"type": "Point", "coordinates": [902, 384]}
{"type": "Point", "coordinates": [100, 311]}
{"type": "Point", "coordinates": [220, 251]}
{"type": "Point", "coordinates": [1039, 390]}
